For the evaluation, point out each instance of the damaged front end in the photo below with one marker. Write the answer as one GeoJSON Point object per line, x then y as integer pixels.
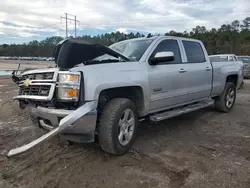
{"type": "Point", "coordinates": [54, 97]}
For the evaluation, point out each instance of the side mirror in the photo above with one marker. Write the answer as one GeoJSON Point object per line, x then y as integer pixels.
{"type": "Point", "coordinates": [161, 57]}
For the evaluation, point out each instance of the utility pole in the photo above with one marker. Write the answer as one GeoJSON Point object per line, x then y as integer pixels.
{"type": "Point", "coordinates": [70, 19]}
{"type": "Point", "coordinates": [75, 26]}
{"type": "Point", "coordinates": [66, 15]}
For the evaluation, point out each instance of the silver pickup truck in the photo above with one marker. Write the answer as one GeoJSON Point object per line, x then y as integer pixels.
{"type": "Point", "coordinates": [99, 94]}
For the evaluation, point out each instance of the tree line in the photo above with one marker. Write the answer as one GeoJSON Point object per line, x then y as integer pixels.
{"type": "Point", "coordinates": [229, 38]}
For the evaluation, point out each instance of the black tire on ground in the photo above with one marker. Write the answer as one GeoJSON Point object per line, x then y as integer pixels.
{"type": "Point", "coordinates": [221, 101]}
{"type": "Point", "coordinates": [109, 128]}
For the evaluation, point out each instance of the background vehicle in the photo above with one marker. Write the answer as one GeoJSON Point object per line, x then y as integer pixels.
{"type": "Point", "coordinates": [28, 58]}
{"type": "Point", "coordinates": [246, 62]}
{"type": "Point", "coordinates": [99, 93]}
{"type": "Point", "coordinates": [223, 57]}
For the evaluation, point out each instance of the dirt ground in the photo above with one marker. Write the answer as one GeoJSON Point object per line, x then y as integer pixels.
{"type": "Point", "coordinates": [201, 149]}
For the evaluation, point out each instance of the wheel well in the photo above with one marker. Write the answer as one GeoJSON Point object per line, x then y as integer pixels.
{"type": "Point", "coordinates": [133, 93]}
{"type": "Point", "coordinates": [233, 79]}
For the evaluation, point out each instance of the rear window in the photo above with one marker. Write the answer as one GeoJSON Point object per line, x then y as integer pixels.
{"type": "Point", "coordinates": [194, 52]}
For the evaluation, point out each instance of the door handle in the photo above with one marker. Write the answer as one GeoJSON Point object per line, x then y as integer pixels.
{"type": "Point", "coordinates": [182, 70]}
{"type": "Point", "coordinates": [208, 69]}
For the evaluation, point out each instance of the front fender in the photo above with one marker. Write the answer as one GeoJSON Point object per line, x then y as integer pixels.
{"type": "Point", "coordinates": [114, 75]}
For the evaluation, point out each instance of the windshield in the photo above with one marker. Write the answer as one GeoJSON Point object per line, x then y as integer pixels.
{"type": "Point", "coordinates": [133, 49]}
{"type": "Point", "coordinates": [244, 59]}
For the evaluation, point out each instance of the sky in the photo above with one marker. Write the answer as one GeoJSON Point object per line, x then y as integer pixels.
{"type": "Point", "coordinates": [25, 20]}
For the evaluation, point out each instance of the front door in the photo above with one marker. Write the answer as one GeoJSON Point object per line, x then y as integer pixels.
{"type": "Point", "coordinates": [167, 80]}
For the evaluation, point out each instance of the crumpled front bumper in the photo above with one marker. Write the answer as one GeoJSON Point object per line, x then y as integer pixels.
{"type": "Point", "coordinates": [82, 130]}
{"type": "Point", "coordinates": [77, 125]}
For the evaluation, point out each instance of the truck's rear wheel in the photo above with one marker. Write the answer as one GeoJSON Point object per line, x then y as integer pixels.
{"type": "Point", "coordinates": [226, 100]}
{"type": "Point", "coordinates": [117, 126]}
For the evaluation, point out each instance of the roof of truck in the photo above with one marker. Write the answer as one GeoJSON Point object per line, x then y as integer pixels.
{"type": "Point", "coordinates": [162, 37]}
{"type": "Point", "coordinates": [159, 37]}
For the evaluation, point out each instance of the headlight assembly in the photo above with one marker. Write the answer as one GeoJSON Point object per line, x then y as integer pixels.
{"type": "Point", "coordinates": [68, 86]}
{"type": "Point", "coordinates": [69, 78]}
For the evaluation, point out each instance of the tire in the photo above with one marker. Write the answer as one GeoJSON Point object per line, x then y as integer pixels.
{"type": "Point", "coordinates": [221, 102]}
{"type": "Point", "coordinates": [114, 122]}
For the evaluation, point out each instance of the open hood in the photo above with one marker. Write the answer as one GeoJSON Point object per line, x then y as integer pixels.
{"type": "Point", "coordinates": [71, 52]}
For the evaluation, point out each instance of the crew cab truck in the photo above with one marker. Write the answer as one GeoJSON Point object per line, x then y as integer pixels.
{"type": "Point", "coordinates": [98, 93]}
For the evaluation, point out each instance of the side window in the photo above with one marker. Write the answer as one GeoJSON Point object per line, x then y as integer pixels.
{"type": "Point", "coordinates": [194, 52]}
{"type": "Point", "coordinates": [230, 58]}
{"type": "Point", "coordinates": [169, 46]}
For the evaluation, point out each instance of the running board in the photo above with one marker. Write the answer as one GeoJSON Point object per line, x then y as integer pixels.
{"type": "Point", "coordinates": [181, 110]}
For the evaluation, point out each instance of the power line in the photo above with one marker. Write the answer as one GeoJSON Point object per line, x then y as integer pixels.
{"type": "Point", "coordinates": [70, 19]}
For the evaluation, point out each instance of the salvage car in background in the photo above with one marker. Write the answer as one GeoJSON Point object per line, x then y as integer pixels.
{"type": "Point", "coordinates": [27, 58]}
{"type": "Point", "coordinates": [246, 62]}
{"type": "Point", "coordinates": [99, 93]}
{"type": "Point", "coordinates": [223, 57]}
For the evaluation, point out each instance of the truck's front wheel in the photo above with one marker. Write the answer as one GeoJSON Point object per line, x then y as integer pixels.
{"type": "Point", "coordinates": [117, 126]}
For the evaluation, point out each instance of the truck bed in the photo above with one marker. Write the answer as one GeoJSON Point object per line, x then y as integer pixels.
{"type": "Point", "coordinates": [220, 72]}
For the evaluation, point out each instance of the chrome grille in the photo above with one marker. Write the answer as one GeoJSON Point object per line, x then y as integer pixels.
{"type": "Point", "coordinates": [38, 84]}
{"type": "Point", "coordinates": [40, 90]}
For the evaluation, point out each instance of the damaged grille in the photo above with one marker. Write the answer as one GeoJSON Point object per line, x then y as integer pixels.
{"type": "Point", "coordinates": [38, 84]}
{"type": "Point", "coordinates": [38, 76]}
{"type": "Point", "coordinates": [39, 90]}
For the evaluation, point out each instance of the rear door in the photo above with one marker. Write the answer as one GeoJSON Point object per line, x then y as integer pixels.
{"type": "Point", "coordinates": [199, 70]}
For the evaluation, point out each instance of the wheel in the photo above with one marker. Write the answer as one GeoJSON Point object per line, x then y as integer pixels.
{"type": "Point", "coordinates": [117, 126]}
{"type": "Point", "coordinates": [226, 100]}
